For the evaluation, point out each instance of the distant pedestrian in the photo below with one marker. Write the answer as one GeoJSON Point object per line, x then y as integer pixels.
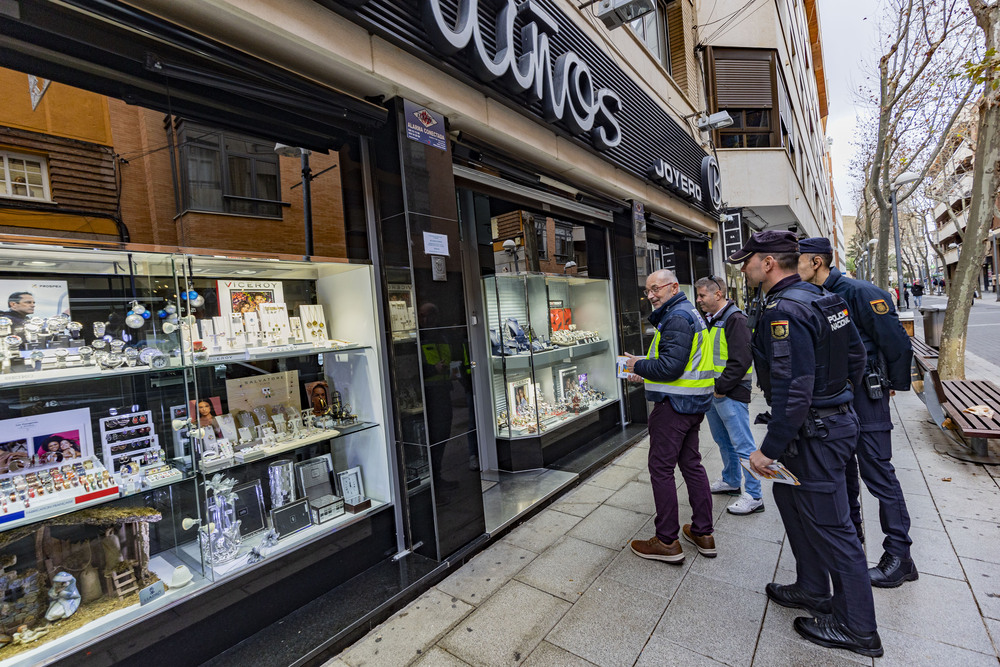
{"type": "Point", "coordinates": [679, 378]}
{"type": "Point", "coordinates": [906, 296]}
{"type": "Point", "coordinates": [729, 416]}
{"type": "Point", "coordinates": [918, 292]}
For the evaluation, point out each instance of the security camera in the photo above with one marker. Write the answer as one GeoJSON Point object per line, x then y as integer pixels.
{"type": "Point", "coordinates": [509, 246]}
{"type": "Point", "coordinates": [716, 121]}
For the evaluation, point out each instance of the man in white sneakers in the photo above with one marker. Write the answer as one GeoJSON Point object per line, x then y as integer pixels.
{"type": "Point", "coordinates": [729, 414]}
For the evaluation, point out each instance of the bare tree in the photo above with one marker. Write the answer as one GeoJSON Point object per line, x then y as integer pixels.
{"type": "Point", "coordinates": [917, 101]}
{"type": "Point", "coordinates": [985, 184]}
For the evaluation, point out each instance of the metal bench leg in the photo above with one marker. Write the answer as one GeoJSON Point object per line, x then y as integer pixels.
{"type": "Point", "coordinates": [979, 447]}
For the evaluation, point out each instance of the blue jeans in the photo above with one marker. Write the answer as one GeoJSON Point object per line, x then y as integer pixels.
{"type": "Point", "coordinates": [918, 299]}
{"type": "Point", "coordinates": [729, 422]}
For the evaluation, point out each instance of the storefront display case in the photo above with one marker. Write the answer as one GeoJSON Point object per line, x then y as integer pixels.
{"type": "Point", "coordinates": [169, 422]}
{"type": "Point", "coordinates": [552, 363]}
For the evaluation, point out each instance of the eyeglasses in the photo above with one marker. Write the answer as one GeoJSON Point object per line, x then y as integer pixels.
{"type": "Point", "coordinates": [656, 288]}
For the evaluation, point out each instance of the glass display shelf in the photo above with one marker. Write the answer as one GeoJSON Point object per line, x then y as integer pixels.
{"type": "Point", "coordinates": [275, 352]}
{"type": "Point", "coordinates": [285, 447]}
{"type": "Point", "coordinates": [76, 373]}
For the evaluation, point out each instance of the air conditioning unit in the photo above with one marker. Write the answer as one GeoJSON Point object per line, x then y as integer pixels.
{"type": "Point", "coordinates": [616, 13]}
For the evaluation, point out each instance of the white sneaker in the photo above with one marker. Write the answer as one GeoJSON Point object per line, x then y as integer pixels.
{"type": "Point", "coordinates": [747, 504]}
{"type": "Point", "coordinates": [720, 486]}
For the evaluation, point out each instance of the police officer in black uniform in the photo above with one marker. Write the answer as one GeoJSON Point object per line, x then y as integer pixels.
{"type": "Point", "coordinates": [808, 358]}
{"type": "Point", "coordinates": [888, 369]}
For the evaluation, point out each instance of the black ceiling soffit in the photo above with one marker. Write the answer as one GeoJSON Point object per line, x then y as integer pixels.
{"type": "Point", "coordinates": [115, 50]}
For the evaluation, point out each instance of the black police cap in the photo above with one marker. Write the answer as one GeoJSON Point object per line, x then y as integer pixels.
{"type": "Point", "coordinates": [817, 245]}
{"type": "Point", "coordinates": [770, 241]}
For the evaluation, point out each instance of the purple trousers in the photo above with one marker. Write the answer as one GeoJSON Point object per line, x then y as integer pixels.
{"type": "Point", "coordinates": [673, 441]}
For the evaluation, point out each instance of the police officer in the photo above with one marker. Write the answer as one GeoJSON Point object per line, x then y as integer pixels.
{"type": "Point", "coordinates": [808, 356]}
{"type": "Point", "coordinates": [888, 369]}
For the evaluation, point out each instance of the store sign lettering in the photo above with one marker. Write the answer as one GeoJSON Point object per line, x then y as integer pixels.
{"type": "Point", "coordinates": [565, 88]}
{"type": "Point", "coordinates": [707, 192]}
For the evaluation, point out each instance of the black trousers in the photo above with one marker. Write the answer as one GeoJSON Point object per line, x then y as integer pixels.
{"type": "Point", "coordinates": [874, 462]}
{"type": "Point", "coordinates": [817, 521]}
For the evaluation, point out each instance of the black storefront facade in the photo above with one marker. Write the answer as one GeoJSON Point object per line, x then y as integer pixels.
{"type": "Point", "coordinates": [427, 208]}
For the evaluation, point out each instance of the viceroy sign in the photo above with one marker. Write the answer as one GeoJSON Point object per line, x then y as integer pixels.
{"type": "Point", "coordinates": [565, 87]}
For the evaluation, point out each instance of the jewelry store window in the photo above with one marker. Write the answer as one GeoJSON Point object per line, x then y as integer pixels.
{"type": "Point", "coordinates": [551, 333]}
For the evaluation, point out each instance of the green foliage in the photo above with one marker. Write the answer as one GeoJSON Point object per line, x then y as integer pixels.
{"type": "Point", "coordinates": [982, 71]}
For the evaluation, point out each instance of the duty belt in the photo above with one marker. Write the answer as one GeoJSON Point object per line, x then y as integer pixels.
{"type": "Point", "coordinates": [819, 413]}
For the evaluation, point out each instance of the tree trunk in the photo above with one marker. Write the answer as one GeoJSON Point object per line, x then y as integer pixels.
{"type": "Point", "coordinates": [985, 182]}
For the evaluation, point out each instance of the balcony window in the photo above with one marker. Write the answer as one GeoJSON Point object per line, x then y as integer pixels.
{"type": "Point", "coordinates": [746, 84]}
{"type": "Point", "coordinates": [24, 176]}
{"type": "Point", "coordinates": [228, 173]}
{"type": "Point", "coordinates": [653, 31]}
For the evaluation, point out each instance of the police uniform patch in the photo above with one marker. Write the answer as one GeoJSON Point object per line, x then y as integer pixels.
{"type": "Point", "coordinates": [779, 329]}
{"type": "Point", "coordinates": [879, 306]}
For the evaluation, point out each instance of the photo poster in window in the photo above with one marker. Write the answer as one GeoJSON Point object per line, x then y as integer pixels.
{"type": "Point", "coordinates": [245, 296]}
{"type": "Point", "coordinates": [51, 298]}
{"type": "Point", "coordinates": [319, 397]}
{"type": "Point", "coordinates": [44, 441]}
{"type": "Point", "coordinates": [204, 411]}
{"type": "Point", "coordinates": [565, 381]}
{"type": "Point", "coordinates": [275, 391]}
{"type": "Point", "coordinates": [520, 396]}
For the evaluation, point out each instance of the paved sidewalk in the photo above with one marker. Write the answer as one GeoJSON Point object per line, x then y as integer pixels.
{"type": "Point", "coordinates": [564, 589]}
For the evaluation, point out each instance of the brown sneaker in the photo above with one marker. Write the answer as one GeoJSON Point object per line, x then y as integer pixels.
{"type": "Point", "coordinates": [654, 549]}
{"type": "Point", "coordinates": [705, 543]}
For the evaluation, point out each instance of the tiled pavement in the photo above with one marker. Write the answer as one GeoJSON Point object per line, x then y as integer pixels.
{"type": "Point", "coordinates": [564, 589]}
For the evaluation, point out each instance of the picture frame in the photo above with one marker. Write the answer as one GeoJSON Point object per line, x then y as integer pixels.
{"type": "Point", "coordinates": [291, 518]}
{"type": "Point", "coordinates": [245, 296]}
{"type": "Point", "coordinates": [314, 476]}
{"type": "Point", "coordinates": [351, 484]}
{"type": "Point", "coordinates": [520, 395]}
{"type": "Point", "coordinates": [46, 440]}
{"type": "Point", "coordinates": [565, 378]}
{"type": "Point", "coordinates": [249, 508]}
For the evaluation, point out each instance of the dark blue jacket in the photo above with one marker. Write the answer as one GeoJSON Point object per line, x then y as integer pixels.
{"type": "Point", "coordinates": [803, 358]}
{"type": "Point", "coordinates": [676, 337]}
{"type": "Point", "coordinates": [875, 317]}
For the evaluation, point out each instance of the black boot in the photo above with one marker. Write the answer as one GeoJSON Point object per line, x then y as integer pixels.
{"type": "Point", "coordinates": [795, 597]}
{"type": "Point", "coordinates": [829, 632]}
{"type": "Point", "coordinates": [892, 571]}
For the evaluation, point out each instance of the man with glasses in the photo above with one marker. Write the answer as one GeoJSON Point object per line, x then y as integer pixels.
{"type": "Point", "coordinates": [809, 357]}
{"type": "Point", "coordinates": [887, 370]}
{"type": "Point", "coordinates": [729, 415]}
{"type": "Point", "coordinates": [679, 378]}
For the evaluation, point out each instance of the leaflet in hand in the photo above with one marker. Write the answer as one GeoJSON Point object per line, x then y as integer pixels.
{"type": "Point", "coordinates": [620, 363]}
{"type": "Point", "coordinates": [776, 473]}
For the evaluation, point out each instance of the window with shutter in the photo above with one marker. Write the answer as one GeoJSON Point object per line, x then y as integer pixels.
{"type": "Point", "coordinates": [745, 85]}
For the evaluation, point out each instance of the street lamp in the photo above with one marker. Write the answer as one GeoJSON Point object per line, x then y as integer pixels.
{"type": "Point", "coordinates": [294, 151]}
{"type": "Point", "coordinates": [897, 183]}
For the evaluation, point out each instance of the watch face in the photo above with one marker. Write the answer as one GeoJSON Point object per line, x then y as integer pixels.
{"type": "Point", "coordinates": [13, 341]}
{"type": "Point", "coordinates": [158, 361]}
{"type": "Point", "coordinates": [131, 353]}
{"type": "Point", "coordinates": [61, 353]}
{"type": "Point", "coordinates": [75, 326]}
{"type": "Point", "coordinates": [37, 355]}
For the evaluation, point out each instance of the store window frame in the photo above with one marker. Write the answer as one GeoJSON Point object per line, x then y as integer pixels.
{"type": "Point", "coordinates": [194, 139]}
{"type": "Point", "coordinates": [9, 182]}
{"type": "Point", "coordinates": [563, 250]}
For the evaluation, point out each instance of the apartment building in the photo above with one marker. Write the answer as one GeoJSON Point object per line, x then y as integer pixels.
{"type": "Point", "coordinates": [763, 64]}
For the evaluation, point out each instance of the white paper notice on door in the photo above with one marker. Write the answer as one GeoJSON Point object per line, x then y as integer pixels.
{"type": "Point", "coordinates": [435, 244]}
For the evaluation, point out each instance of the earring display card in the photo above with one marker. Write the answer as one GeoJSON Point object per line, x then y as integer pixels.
{"type": "Point", "coordinates": [314, 324]}
{"type": "Point", "coordinates": [275, 390]}
{"type": "Point", "coordinates": [291, 518]}
{"type": "Point", "coordinates": [274, 322]}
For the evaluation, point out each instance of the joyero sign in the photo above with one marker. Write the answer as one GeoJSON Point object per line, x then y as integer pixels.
{"type": "Point", "coordinates": [565, 88]}
{"type": "Point", "coordinates": [708, 191]}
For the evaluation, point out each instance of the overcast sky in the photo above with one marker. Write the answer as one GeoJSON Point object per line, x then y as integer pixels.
{"type": "Point", "coordinates": [847, 39]}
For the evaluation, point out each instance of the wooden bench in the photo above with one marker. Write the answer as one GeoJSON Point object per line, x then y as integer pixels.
{"type": "Point", "coordinates": [924, 356]}
{"type": "Point", "coordinates": [947, 403]}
